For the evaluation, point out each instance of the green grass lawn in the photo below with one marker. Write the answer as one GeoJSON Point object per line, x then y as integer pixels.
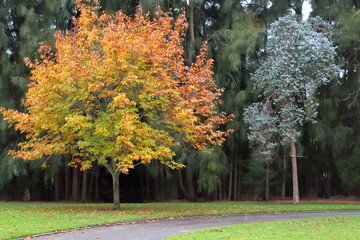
{"type": "Point", "coordinates": [23, 219]}
{"type": "Point", "coordinates": [330, 228]}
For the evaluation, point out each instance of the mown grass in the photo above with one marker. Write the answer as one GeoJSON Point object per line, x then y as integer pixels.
{"type": "Point", "coordinates": [330, 228]}
{"type": "Point", "coordinates": [23, 219]}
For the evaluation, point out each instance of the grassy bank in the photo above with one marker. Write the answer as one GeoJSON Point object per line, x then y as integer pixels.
{"type": "Point", "coordinates": [22, 219]}
{"type": "Point", "coordinates": [330, 228]}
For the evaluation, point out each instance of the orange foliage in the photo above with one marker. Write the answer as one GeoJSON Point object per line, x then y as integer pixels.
{"type": "Point", "coordinates": [117, 89]}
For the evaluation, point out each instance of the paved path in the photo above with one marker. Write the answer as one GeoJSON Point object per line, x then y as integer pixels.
{"type": "Point", "coordinates": [165, 228]}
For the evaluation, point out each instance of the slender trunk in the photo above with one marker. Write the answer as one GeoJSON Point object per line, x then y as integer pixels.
{"type": "Point", "coordinates": [235, 178]}
{"type": "Point", "coordinates": [267, 187]}
{"type": "Point", "coordinates": [58, 185]}
{"type": "Point", "coordinates": [156, 186]}
{"type": "Point", "coordinates": [161, 183]}
{"type": "Point", "coordinates": [283, 187]}
{"type": "Point", "coordinates": [142, 187]}
{"type": "Point", "coordinates": [230, 178]}
{"type": "Point", "coordinates": [191, 46]}
{"type": "Point", "coordinates": [116, 183]}
{"type": "Point", "coordinates": [190, 184]}
{"type": "Point", "coordinates": [182, 187]}
{"type": "Point", "coordinates": [34, 186]}
{"type": "Point", "coordinates": [90, 186]}
{"type": "Point", "coordinates": [147, 185]}
{"type": "Point", "coordinates": [84, 186]}
{"type": "Point", "coordinates": [298, 7]}
{"type": "Point", "coordinates": [331, 183]}
{"type": "Point", "coordinates": [97, 192]}
{"type": "Point", "coordinates": [220, 190]}
{"type": "Point", "coordinates": [75, 185]}
{"type": "Point", "coordinates": [116, 190]}
{"type": "Point", "coordinates": [239, 166]}
{"type": "Point", "coordinates": [67, 183]}
{"type": "Point", "coordinates": [317, 180]}
{"type": "Point", "coordinates": [294, 172]}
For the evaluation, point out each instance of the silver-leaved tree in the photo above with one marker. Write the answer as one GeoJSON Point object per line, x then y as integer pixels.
{"type": "Point", "coordinates": [300, 58]}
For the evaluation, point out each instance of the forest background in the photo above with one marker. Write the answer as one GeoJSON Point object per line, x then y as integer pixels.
{"type": "Point", "coordinates": [328, 151]}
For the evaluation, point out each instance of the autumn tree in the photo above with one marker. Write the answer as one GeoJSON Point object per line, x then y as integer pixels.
{"type": "Point", "coordinates": [300, 58]}
{"type": "Point", "coordinates": [116, 90]}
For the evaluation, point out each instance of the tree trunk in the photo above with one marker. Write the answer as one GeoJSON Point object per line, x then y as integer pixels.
{"type": "Point", "coordinates": [161, 183]}
{"type": "Point", "coordinates": [67, 183]}
{"type": "Point", "coordinates": [191, 46]}
{"type": "Point", "coordinates": [142, 186]}
{"type": "Point", "coordinates": [147, 185]}
{"type": "Point", "coordinates": [235, 178]}
{"type": "Point", "coordinates": [230, 178]}
{"type": "Point", "coordinates": [190, 184]}
{"type": "Point", "coordinates": [116, 182]}
{"type": "Point", "coordinates": [90, 186]}
{"type": "Point", "coordinates": [267, 185]}
{"type": "Point", "coordinates": [97, 192]}
{"type": "Point", "coordinates": [283, 187]}
{"type": "Point", "coordinates": [58, 185]}
{"type": "Point", "coordinates": [181, 183]}
{"type": "Point", "coordinates": [116, 190]}
{"type": "Point", "coordinates": [294, 172]}
{"type": "Point", "coordinates": [156, 186]}
{"type": "Point", "coordinates": [75, 185]}
{"type": "Point", "coordinates": [84, 186]}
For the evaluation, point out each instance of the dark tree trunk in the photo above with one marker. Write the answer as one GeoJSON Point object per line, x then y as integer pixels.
{"type": "Point", "coordinates": [91, 185]}
{"type": "Point", "coordinates": [84, 186]}
{"type": "Point", "coordinates": [58, 188]}
{"type": "Point", "coordinates": [75, 185]}
{"type": "Point", "coordinates": [236, 178]}
{"type": "Point", "coordinates": [182, 186]}
{"type": "Point", "coordinates": [238, 172]}
{"type": "Point", "coordinates": [191, 46]}
{"type": "Point", "coordinates": [97, 192]}
{"type": "Point", "coordinates": [161, 182]}
{"type": "Point", "coordinates": [67, 183]}
{"type": "Point", "coordinates": [142, 185]}
{"type": "Point", "coordinates": [267, 185]}
{"type": "Point", "coordinates": [190, 184]}
{"type": "Point", "coordinates": [230, 178]}
{"type": "Point", "coordinates": [298, 7]}
{"type": "Point", "coordinates": [219, 195]}
{"type": "Point", "coordinates": [283, 184]}
{"type": "Point", "coordinates": [147, 185]}
{"type": "Point", "coordinates": [156, 186]}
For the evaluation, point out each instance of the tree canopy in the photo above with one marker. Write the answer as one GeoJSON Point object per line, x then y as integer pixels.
{"type": "Point", "coordinates": [117, 91]}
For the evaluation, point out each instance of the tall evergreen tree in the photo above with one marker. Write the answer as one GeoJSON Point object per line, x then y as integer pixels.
{"type": "Point", "coordinates": [337, 135]}
{"type": "Point", "coordinates": [25, 23]}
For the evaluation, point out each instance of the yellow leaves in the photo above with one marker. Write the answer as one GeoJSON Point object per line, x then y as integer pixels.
{"type": "Point", "coordinates": [44, 165]}
{"type": "Point", "coordinates": [77, 122]}
{"type": "Point", "coordinates": [118, 88]}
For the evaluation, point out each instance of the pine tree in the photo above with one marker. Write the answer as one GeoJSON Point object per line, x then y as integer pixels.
{"type": "Point", "coordinates": [25, 23]}
{"type": "Point", "coordinates": [336, 136]}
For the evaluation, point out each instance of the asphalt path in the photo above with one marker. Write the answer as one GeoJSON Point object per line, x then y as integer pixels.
{"type": "Point", "coordinates": [155, 230]}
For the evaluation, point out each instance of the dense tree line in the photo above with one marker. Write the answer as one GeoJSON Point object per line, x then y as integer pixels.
{"type": "Point", "coordinates": [328, 151]}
